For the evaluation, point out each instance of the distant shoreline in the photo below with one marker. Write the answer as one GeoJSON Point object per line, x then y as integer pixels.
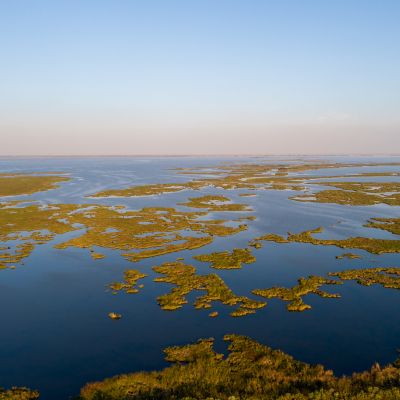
{"type": "Point", "coordinates": [199, 155]}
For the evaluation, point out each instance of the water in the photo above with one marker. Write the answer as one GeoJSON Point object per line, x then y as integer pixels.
{"type": "Point", "coordinates": [55, 334]}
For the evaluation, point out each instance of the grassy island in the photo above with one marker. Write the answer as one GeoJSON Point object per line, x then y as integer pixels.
{"type": "Point", "coordinates": [251, 176]}
{"type": "Point", "coordinates": [215, 203]}
{"type": "Point", "coordinates": [356, 193]}
{"type": "Point", "coordinates": [131, 277]}
{"type": "Point", "coordinates": [142, 190]}
{"type": "Point", "coordinates": [250, 371]}
{"type": "Point", "coordinates": [228, 260]}
{"type": "Point", "coordinates": [349, 198]}
{"type": "Point", "coordinates": [372, 245]}
{"type": "Point", "coordinates": [387, 277]}
{"type": "Point", "coordinates": [148, 232]}
{"type": "Point", "coordinates": [23, 228]}
{"type": "Point", "coordinates": [294, 296]}
{"type": "Point", "coordinates": [185, 279]}
{"type": "Point", "coordinates": [19, 184]}
{"type": "Point", "coordinates": [138, 234]}
{"type": "Point", "coordinates": [391, 225]}
{"type": "Point", "coordinates": [97, 256]}
{"type": "Point", "coordinates": [114, 316]}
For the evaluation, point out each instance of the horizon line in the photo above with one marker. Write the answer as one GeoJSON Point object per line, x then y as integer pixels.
{"type": "Point", "coordinates": [200, 155]}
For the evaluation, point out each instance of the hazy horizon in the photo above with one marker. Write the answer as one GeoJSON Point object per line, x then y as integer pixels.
{"type": "Point", "coordinates": [199, 78]}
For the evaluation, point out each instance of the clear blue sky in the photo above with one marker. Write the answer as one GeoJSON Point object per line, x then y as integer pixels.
{"type": "Point", "coordinates": [137, 77]}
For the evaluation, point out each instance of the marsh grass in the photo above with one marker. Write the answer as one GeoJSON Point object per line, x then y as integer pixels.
{"type": "Point", "coordinates": [250, 371]}
{"type": "Point", "coordinates": [185, 280]}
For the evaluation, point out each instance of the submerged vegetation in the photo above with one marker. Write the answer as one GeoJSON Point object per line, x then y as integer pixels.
{"type": "Point", "coordinates": [23, 184]}
{"type": "Point", "coordinates": [249, 371]}
{"type": "Point", "coordinates": [350, 256]}
{"type": "Point", "coordinates": [294, 296]}
{"type": "Point", "coordinates": [185, 279]}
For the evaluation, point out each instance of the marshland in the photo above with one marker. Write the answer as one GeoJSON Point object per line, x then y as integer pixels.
{"type": "Point", "coordinates": [102, 271]}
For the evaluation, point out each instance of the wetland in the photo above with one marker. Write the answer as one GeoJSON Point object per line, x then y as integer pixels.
{"type": "Point", "coordinates": [98, 256]}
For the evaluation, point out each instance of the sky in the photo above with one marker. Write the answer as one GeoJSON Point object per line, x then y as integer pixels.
{"type": "Point", "coordinates": [126, 77]}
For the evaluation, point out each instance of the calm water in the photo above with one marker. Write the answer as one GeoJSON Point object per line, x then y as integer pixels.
{"type": "Point", "coordinates": [56, 336]}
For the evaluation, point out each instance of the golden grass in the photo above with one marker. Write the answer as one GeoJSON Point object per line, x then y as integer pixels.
{"type": "Point", "coordinates": [294, 295]}
{"type": "Point", "coordinates": [16, 185]}
{"type": "Point", "coordinates": [226, 259]}
{"type": "Point", "coordinates": [185, 280]}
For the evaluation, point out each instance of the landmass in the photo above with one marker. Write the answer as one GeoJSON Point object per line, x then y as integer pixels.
{"type": "Point", "coordinates": [185, 279]}
{"type": "Point", "coordinates": [131, 277]}
{"type": "Point", "coordinates": [371, 245]}
{"type": "Point", "coordinates": [226, 259]}
{"type": "Point", "coordinates": [249, 371]}
{"type": "Point", "coordinates": [24, 184]}
{"type": "Point", "coordinates": [294, 296]}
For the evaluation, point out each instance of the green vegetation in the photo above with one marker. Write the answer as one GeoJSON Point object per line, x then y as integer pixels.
{"type": "Point", "coordinates": [356, 193]}
{"type": "Point", "coordinates": [295, 294]}
{"type": "Point", "coordinates": [215, 203]}
{"type": "Point", "coordinates": [154, 230]}
{"type": "Point", "coordinates": [185, 279]}
{"type": "Point", "coordinates": [139, 234]}
{"type": "Point", "coordinates": [388, 224]}
{"type": "Point", "coordinates": [251, 371]}
{"type": "Point", "coordinates": [372, 245]}
{"type": "Point", "coordinates": [368, 187]}
{"type": "Point", "coordinates": [227, 260]}
{"type": "Point", "coordinates": [22, 228]}
{"type": "Point", "coordinates": [272, 237]}
{"type": "Point", "coordinates": [143, 190]}
{"type": "Point", "coordinates": [17, 393]}
{"type": "Point", "coordinates": [17, 184]}
{"type": "Point", "coordinates": [189, 243]}
{"type": "Point", "coordinates": [349, 198]}
{"type": "Point", "coordinates": [260, 176]}
{"type": "Point", "coordinates": [243, 176]}
{"type": "Point", "coordinates": [131, 277]}
{"type": "Point", "coordinates": [387, 277]}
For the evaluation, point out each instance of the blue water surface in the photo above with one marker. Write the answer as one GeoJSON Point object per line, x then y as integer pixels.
{"type": "Point", "coordinates": [56, 336]}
